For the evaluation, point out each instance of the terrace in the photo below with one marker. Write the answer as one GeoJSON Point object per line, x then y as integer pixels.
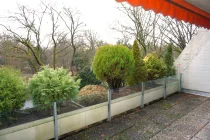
{"type": "Point", "coordinates": [180, 116]}
{"type": "Point", "coordinates": [159, 109]}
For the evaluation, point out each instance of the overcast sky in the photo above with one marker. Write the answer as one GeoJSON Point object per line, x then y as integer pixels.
{"type": "Point", "coordinates": [98, 15]}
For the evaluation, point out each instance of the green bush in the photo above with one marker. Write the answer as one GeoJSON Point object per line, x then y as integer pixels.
{"type": "Point", "coordinates": [51, 85]}
{"type": "Point", "coordinates": [88, 78]}
{"type": "Point", "coordinates": [92, 99]}
{"type": "Point", "coordinates": [140, 72]}
{"type": "Point", "coordinates": [169, 60]}
{"type": "Point", "coordinates": [113, 64]}
{"type": "Point", "coordinates": [12, 90]}
{"type": "Point", "coordinates": [156, 67]}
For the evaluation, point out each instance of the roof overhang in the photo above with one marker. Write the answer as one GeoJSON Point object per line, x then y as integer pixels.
{"type": "Point", "coordinates": [192, 11]}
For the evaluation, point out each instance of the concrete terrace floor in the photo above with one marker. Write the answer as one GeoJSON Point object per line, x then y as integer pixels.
{"type": "Point", "coordinates": [179, 117]}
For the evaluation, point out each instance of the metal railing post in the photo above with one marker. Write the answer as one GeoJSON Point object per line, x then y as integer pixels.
{"type": "Point", "coordinates": [164, 88]}
{"type": "Point", "coordinates": [142, 97]}
{"type": "Point", "coordinates": [109, 105]}
{"type": "Point", "coordinates": [180, 83]}
{"type": "Point", "coordinates": [55, 120]}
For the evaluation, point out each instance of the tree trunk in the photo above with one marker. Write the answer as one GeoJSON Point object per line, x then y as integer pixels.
{"type": "Point", "coordinates": [73, 63]}
{"type": "Point", "coordinates": [54, 58]}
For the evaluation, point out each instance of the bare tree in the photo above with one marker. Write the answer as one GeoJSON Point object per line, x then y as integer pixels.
{"type": "Point", "coordinates": [71, 19]}
{"type": "Point", "coordinates": [8, 54]}
{"type": "Point", "coordinates": [124, 40]}
{"type": "Point", "coordinates": [29, 22]}
{"type": "Point", "coordinates": [178, 32]}
{"type": "Point", "coordinates": [57, 36]}
{"type": "Point", "coordinates": [90, 42]}
{"type": "Point", "coordinates": [91, 38]}
{"type": "Point", "coordinates": [154, 31]}
{"type": "Point", "coordinates": [142, 27]}
{"type": "Point", "coordinates": [35, 40]}
{"type": "Point", "coordinates": [86, 46]}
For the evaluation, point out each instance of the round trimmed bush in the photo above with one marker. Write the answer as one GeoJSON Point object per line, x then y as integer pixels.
{"type": "Point", "coordinates": [113, 64]}
{"type": "Point", "coordinates": [51, 85]}
{"type": "Point", "coordinates": [12, 90]}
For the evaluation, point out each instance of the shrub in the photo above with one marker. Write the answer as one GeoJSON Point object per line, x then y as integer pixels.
{"type": "Point", "coordinates": [113, 64]}
{"type": "Point", "coordinates": [88, 78]}
{"type": "Point", "coordinates": [92, 99]}
{"type": "Point", "coordinates": [139, 73]}
{"type": "Point", "coordinates": [92, 89]}
{"type": "Point", "coordinates": [156, 67]}
{"type": "Point", "coordinates": [51, 85]}
{"type": "Point", "coordinates": [12, 90]}
{"type": "Point", "coordinates": [91, 95]}
{"type": "Point", "coordinates": [169, 60]}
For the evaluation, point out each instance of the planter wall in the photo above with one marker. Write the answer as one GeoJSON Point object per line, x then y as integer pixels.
{"type": "Point", "coordinates": [75, 120]}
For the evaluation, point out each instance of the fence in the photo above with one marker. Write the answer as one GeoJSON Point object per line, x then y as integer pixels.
{"type": "Point", "coordinates": [66, 116]}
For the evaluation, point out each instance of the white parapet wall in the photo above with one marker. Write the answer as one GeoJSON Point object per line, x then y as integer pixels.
{"type": "Point", "coordinates": [75, 120]}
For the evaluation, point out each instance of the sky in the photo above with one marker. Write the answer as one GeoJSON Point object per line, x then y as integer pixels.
{"type": "Point", "coordinates": [98, 15]}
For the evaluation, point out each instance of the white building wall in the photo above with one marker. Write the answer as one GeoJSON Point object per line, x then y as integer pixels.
{"type": "Point", "coordinates": [194, 63]}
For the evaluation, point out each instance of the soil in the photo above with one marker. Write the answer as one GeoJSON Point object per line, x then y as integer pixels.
{"type": "Point", "coordinates": [117, 93]}
{"type": "Point", "coordinates": [125, 91]}
{"type": "Point", "coordinates": [33, 114]}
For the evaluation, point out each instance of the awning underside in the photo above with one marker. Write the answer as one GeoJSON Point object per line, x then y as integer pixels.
{"type": "Point", "coordinates": [186, 10]}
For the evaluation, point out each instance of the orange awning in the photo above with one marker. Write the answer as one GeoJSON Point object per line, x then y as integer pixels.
{"type": "Point", "coordinates": [179, 9]}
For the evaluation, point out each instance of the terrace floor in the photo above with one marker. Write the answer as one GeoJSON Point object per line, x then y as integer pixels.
{"type": "Point", "coordinates": [179, 117]}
